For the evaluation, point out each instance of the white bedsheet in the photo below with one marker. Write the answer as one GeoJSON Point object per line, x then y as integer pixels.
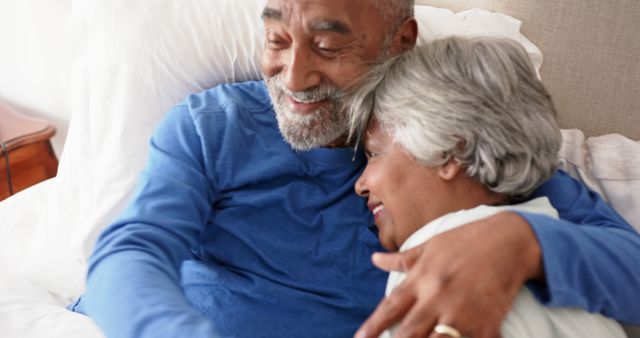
{"type": "Point", "coordinates": [23, 317]}
{"type": "Point", "coordinates": [30, 304]}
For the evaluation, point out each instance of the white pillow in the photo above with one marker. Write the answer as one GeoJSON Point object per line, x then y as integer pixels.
{"type": "Point", "coordinates": [137, 59]}
{"type": "Point", "coordinates": [437, 23]}
{"type": "Point", "coordinates": [609, 165]}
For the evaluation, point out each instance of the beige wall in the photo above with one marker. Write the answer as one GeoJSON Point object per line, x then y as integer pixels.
{"type": "Point", "coordinates": [591, 57]}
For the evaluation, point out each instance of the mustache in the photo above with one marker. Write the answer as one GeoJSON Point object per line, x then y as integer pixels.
{"type": "Point", "coordinates": [317, 93]}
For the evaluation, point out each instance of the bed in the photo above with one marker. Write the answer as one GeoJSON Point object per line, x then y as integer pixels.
{"type": "Point", "coordinates": [106, 71]}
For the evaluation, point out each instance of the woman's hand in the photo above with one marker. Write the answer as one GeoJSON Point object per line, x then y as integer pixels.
{"type": "Point", "coordinates": [466, 278]}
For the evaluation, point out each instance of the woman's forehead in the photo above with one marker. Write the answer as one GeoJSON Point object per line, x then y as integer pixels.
{"type": "Point", "coordinates": [375, 135]}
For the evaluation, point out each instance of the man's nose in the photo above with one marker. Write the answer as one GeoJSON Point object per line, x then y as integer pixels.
{"type": "Point", "coordinates": [361, 186]}
{"type": "Point", "coordinates": [300, 72]}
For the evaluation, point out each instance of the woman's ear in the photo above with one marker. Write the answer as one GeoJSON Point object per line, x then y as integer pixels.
{"type": "Point", "coordinates": [450, 169]}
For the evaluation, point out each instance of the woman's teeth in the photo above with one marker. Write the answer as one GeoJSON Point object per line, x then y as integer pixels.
{"type": "Point", "coordinates": [377, 209]}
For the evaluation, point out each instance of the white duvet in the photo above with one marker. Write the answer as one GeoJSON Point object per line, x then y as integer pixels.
{"type": "Point", "coordinates": [31, 302]}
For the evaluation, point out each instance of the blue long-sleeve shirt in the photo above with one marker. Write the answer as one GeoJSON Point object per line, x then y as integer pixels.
{"type": "Point", "coordinates": [232, 233]}
{"type": "Point", "coordinates": [591, 255]}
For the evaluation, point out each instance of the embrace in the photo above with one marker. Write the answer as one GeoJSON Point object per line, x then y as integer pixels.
{"type": "Point", "coordinates": [245, 222]}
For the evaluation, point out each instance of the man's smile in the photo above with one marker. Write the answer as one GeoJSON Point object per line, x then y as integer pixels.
{"type": "Point", "coordinates": [306, 106]}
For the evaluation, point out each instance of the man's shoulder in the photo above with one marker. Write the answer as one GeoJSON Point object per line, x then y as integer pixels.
{"type": "Point", "coordinates": [224, 108]}
{"type": "Point", "coordinates": [559, 185]}
{"type": "Point", "coordinates": [249, 95]}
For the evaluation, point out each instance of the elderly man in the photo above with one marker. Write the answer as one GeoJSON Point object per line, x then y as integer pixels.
{"type": "Point", "coordinates": [245, 222]}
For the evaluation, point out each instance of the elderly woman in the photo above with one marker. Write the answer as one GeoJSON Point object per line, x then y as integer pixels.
{"type": "Point", "coordinates": [455, 131]}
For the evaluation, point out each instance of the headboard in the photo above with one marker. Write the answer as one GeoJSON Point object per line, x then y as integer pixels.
{"type": "Point", "coordinates": [591, 57]}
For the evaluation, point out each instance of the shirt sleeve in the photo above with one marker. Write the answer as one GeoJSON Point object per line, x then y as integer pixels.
{"type": "Point", "coordinates": [133, 287]}
{"type": "Point", "coordinates": [590, 255]}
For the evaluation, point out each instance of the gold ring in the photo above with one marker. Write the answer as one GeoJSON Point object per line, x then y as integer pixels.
{"type": "Point", "coordinates": [447, 330]}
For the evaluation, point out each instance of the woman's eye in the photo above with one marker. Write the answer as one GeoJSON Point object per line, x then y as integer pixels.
{"type": "Point", "coordinates": [370, 154]}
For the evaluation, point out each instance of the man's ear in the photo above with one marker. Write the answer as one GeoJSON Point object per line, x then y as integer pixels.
{"type": "Point", "coordinates": [406, 37]}
{"type": "Point", "coordinates": [450, 169]}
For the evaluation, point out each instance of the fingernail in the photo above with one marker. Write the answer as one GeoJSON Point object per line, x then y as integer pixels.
{"type": "Point", "coordinates": [360, 334]}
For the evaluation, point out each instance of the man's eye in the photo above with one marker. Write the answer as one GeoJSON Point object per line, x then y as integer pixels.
{"type": "Point", "coordinates": [327, 50]}
{"type": "Point", "coordinates": [275, 43]}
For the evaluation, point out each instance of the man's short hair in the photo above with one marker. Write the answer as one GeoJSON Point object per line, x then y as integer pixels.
{"type": "Point", "coordinates": [396, 11]}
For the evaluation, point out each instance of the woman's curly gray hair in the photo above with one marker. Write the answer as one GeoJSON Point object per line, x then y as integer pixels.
{"type": "Point", "coordinates": [476, 100]}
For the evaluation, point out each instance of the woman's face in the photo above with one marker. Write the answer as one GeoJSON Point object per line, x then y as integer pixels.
{"type": "Point", "coordinates": [402, 193]}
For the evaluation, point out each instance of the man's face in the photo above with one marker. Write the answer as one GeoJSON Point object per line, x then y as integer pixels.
{"type": "Point", "coordinates": [315, 50]}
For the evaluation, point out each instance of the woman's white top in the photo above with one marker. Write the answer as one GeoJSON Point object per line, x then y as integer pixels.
{"type": "Point", "coordinates": [528, 318]}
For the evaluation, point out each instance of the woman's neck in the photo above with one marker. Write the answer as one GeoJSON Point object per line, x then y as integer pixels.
{"type": "Point", "coordinates": [469, 193]}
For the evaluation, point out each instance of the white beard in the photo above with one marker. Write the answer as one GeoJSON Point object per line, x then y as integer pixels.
{"type": "Point", "coordinates": [313, 130]}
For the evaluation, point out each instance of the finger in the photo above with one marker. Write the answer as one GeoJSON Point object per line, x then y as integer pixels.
{"type": "Point", "coordinates": [442, 335]}
{"type": "Point", "coordinates": [398, 261]}
{"type": "Point", "coordinates": [419, 322]}
{"type": "Point", "coordinates": [388, 312]}
{"type": "Point", "coordinates": [387, 261]}
{"type": "Point", "coordinates": [489, 331]}
{"type": "Point", "coordinates": [434, 334]}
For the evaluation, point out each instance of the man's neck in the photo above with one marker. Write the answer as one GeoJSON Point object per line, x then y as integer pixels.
{"type": "Point", "coordinates": [340, 142]}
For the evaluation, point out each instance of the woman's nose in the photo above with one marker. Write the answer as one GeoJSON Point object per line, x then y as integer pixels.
{"type": "Point", "coordinates": [361, 186]}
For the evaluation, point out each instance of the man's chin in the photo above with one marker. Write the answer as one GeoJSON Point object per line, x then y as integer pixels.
{"type": "Point", "coordinates": [307, 142]}
{"type": "Point", "coordinates": [307, 129]}
{"type": "Point", "coordinates": [301, 143]}
{"type": "Point", "coordinates": [306, 138]}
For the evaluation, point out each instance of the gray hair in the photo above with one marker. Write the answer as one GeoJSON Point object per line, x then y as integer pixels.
{"type": "Point", "coordinates": [395, 11]}
{"type": "Point", "coordinates": [476, 100]}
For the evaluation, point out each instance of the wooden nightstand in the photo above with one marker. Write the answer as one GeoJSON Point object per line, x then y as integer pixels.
{"type": "Point", "coordinates": [26, 156]}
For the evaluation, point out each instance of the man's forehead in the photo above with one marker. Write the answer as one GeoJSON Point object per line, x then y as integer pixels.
{"type": "Point", "coordinates": [320, 3]}
{"type": "Point", "coordinates": [317, 24]}
{"type": "Point", "coordinates": [322, 15]}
